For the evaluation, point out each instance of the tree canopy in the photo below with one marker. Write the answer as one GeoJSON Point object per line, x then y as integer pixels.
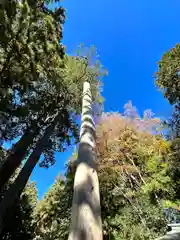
{"type": "Point", "coordinates": [41, 90]}
{"type": "Point", "coordinates": [168, 81]}
{"type": "Point", "coordinates": [40, 104]}
{"type": "Point", "coordinates": [168, 75]}
{"type": "Point", "coordinates": [135, 182]}
{"type": "Point", "coordinates": [19, 222]}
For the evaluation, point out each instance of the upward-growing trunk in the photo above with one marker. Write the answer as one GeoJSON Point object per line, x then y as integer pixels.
{"type": "Point", "coordinates": [19, 150]}
{"type": "Point", "coordinates": [17, 187]}
{"type": "Point", "coordinates": [86, 214]}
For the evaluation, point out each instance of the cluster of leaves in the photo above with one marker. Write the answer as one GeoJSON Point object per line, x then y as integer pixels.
{"type": "Point", "coordinates": [30, 42]}
{"type": "Point", "coordinates": [19, 225]}
{"type": "Point", "coordinates": [168, 75]}
{"type": "Point", "coordinates": [168, 82]}
{"type": "Point", "coordinates": [52, 214]}
{"type": "Point", "coordinates": [126, 212]}
{"type": "Point", "coordinates": [31, 62]}
{"type": "Point", "coordinates": [19, 221]}
{"type": "Point", "coordinates": [134, 175]}
{"type": "Point", "coordinates": [38, 80]}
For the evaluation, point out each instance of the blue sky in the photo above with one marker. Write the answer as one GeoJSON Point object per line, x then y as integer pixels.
{"type": "Point", "coordinates": [131, 36]}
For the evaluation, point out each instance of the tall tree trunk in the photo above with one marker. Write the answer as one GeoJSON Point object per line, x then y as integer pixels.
{"type": "Point", "coordinates": [86, 214]}
{"type": "Point", "coordinates": [19, 184]}
{"type": "Point", "coordinates": [15, 158]}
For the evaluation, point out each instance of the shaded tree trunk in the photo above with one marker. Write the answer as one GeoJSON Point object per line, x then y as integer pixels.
{"type": "Point", "coordinates": [86, 214]}
{"type": "Point", "coordinates": [19, 184]}
{"type": "Point", "coordinates": [13, 161]}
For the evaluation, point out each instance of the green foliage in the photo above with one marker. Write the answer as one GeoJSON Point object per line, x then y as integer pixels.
{"type": "Point", "coordinates": [76, 71]}
{"type": "Point", "coordinates": [168, 81]}
{"type": "Point", "coordinates": [138, 171]}
{"type": "Point", "coordinates": [53, 212]}
{"type": "Point", "coordinates": [168, 75]}
{"type": "Point", "coordinates": [137, 181]}
{"type": "Point", "coordinates": [28, 28]}
{"type": "Point", "coordinates": [38, 82]}
{"type": "Point", "coordinates": [135, 184]}
{"type": "Point", "coordinates": [19, 224]}
{"type": "Point", "coordinates": [38, 79]}
{"type": "Point", "coordinates": [174, 123]}
{"type": "Point", "coordinates": [31, 40]}
{"type": "Point", "coordinates": [140, 221]}
{"type": "Point", "coordinates": [126, 212]}
{"type": "Point", "coordinates": [134, 176]}
{"type": "Point", "coordinates": [19, 221]}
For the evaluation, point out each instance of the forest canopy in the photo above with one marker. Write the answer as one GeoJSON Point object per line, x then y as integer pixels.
{"type": "Point", "coordinates": [41, 100]}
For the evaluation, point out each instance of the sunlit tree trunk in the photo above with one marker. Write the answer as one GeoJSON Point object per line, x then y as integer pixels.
{"type": "Point", "coordinates": [86, 214]}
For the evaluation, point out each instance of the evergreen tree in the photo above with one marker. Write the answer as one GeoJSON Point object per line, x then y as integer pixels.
{"type": "Point", "coordinates": [168, 81]}
{"type": "Point", "coordinates": [18, 223]}
{"type": "Point", "coordinates": [68, 99]}
{"type": "Point", "coordinates": [168, 75]}
{"type": "Point", "coordinates": [60, 130]}
{"type": "Point", "coordinates": [52, 214]}
{"type": "Point", "coordinates": [30, 54]}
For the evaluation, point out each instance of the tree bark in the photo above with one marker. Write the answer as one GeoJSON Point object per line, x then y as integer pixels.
{"type": "Point", "coordinates": [19, 150]}
{"type": "Point", "coordinates": [86, 214]}
{"type": "Point", "coordinates": [19, 184]}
